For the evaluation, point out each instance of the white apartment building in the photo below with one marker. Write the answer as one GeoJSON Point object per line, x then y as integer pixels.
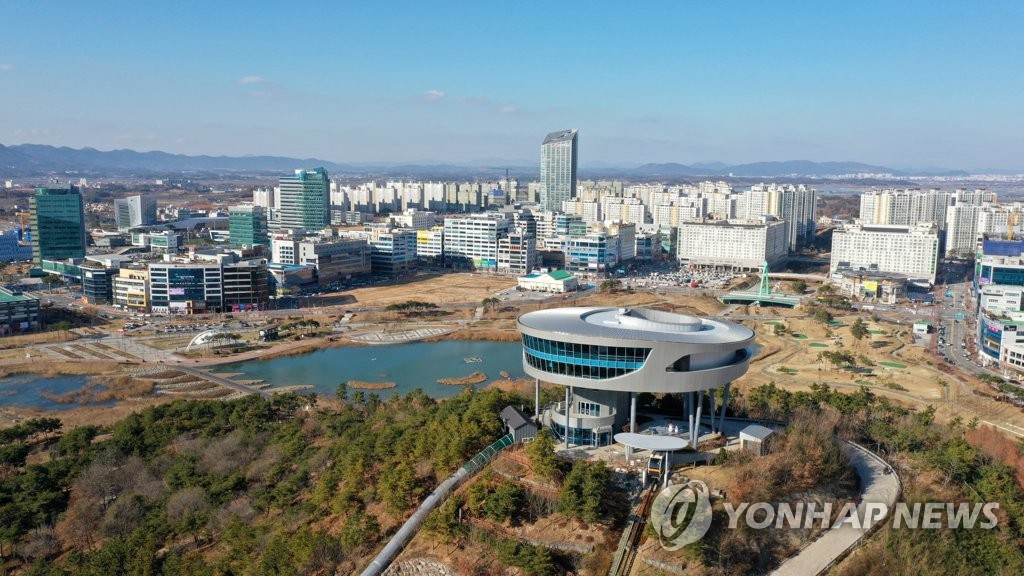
{"type": "Point", "coordinates": [792, 204]}
{"type": "Point", "coordinates": [962, 229]}
{"type": "Point", "coordinates": [415, 219]}
{"type": "Point", "coordinates": [589, 211]}
{"type": "Point", "coordinates": [628, 210]}
{"type": "Point", "coordinates": [904, 207]}
{"type": "Point", "coordinates": [909, 250]}
{"type": "Point", "coordinates": [737, 244]}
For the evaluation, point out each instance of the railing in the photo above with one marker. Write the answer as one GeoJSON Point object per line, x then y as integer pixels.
{"type": "Point", "coordinates": [557, 414]}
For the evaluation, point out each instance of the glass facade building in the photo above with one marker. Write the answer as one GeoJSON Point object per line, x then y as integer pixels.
{"type": "Point", "coordinates": [305, 200]}
{"type": "Point", "coordinates": [248, 226]}
{"type": "Point", "coordinates": [557, 169]}
{"type": "Point", "coordinates": [58, 224]}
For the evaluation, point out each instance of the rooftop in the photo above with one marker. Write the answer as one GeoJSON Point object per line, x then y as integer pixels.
{"type": "Point", "coordinates": [562, 136]}
{"type": "Point", "coordinates": [636, 324]}
{"type": "Point", "coordinates": [7, 295]}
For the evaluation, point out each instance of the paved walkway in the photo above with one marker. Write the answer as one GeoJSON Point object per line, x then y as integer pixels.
{"type": "Point", "coordinates": [876, 487]}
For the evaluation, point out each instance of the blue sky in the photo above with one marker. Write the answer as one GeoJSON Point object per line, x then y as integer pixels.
{"type": "Point", "coordinates": [896, 83]}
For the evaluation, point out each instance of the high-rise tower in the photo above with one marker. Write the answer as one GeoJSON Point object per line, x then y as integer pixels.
{"type": "Point", "coordinates": [58, 224]}
{"type": "Point", "coordinates": [305, 200]}
{"type": "Point", "coordinates": [557, 169]}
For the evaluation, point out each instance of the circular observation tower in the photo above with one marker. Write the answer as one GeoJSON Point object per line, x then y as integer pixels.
{"type": "Point", "coordinates": [604, 357]}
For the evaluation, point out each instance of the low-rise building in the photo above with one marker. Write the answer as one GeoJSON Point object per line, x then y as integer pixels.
{"type": "Point", "coordinates": [131, 290]}
{"type": "Point", "coordinates": [558, 281]}
{"type": "Point", "coordinates": [18, 312]}
{"type": "Point", "coordinates": [517, 254]}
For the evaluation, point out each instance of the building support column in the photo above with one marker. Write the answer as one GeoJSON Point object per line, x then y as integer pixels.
{"type": "Point", "coordinates": [725, 403]}
{"type": "Point", "coordinates": [632, 423]}
{"type": "Point", "coordinates": [536, 398]}
{"type": "Point", "coordinates": [714, 409]}
{"type": "Point", "coordinates": [696, 422]}
{"type": "Point", "coordinates": [568, 411]}
{"type": "Point", "coordinates": [691, 406]}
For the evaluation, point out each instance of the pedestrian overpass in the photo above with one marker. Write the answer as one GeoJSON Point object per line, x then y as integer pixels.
{"type": "Point", "coordinates": [763, 296]}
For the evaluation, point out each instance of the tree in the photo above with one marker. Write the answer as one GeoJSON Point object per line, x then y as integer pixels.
{"type": "Point", "coordinates": [798, 286]}
{"type": "Point", "coordinates": [858, 329]}
{"type": "Point", "coordinates": [342, 392]}
{"type": "Point", "coordinates": [609, 285]}
{"type": "Point", "coordinates": [541, 453]}
{"type": "Point", "coordinates": [779, 330]}
{"type": "Point", "coordinates": [826, 289]}
{"type": "Point", "coordinates": [188, 509]}
{"type": "Point", "coordinates": [821, 315]}
{"type": "Point", "coordinates": [489, 302]}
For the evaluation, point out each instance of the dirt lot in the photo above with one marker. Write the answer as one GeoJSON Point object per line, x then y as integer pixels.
{"type": "Point", "coordinates": [447, 289]}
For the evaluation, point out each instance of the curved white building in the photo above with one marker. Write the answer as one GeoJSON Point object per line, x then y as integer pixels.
{"type": "Point", "coordinates": [606, 356]}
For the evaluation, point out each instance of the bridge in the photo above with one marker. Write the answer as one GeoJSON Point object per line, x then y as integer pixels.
{"type": "Point", "coordinates": [763, 296]}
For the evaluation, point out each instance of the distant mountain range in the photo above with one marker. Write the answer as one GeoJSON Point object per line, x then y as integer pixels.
{"type": "Point", "coordinates": [28, 160]}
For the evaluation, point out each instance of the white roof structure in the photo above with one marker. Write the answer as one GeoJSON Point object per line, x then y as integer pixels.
{"type": "Point", "coordinates": [650, 442]}
{"type": "Point", "coordinates": [755, 433]}
{"type": "Point", "coordinates": [636, 324]}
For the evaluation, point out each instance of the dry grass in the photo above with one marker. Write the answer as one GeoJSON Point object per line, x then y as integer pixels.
{"type": "Point", "coordinates": [447, 289]}
{"type": "Point", "coordinates": [21, 340]}
{"type": "Point", "coordinates": [53, 368]}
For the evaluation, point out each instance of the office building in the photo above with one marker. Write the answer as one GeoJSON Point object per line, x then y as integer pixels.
{"type": "Point", "coordinates": [186, 288]}
{"type": "Point", "coordinates": [735, 244]}
{"type": "Point", "coordinates": [594, 254]}
{"type": "Point", "coordinates": [246, 285]}
{"type": "Point", "coordinates": [134, 211]}
{"type": "Point", "coordinates": [332, 258]}
{"type": "Point", "coordinates": [248, 226]}
{"type": "Point", "coordinates": [98, 282]}
{"type": "Point", "coordinates": [305, 201]}
{"type": "Point", "coordinates": [393, 250]}
{"type": "Point", "coordinates": [557, 169]}
{"type": "Point", "coordinates": [472, 241]}
{"type": "Point", "coordinates": [605, 357]}
{"type": "Point", "coordinates": [58, 224]}
{"type": "Point", "coordinates": [517, 253]}
{"type": "Point", "coordinates": [909, 250]}
{"type": "Point", "coordinates": [430, 243]}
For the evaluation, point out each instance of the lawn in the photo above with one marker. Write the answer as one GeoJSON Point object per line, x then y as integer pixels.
{"type": "Point", "coordinates": [800, 336]}
{"type": "Point", "coordinates": [893, 365]}
{"type": "Point", "coordinates": [818, 345]}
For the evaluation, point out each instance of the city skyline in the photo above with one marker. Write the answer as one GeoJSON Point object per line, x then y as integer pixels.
{"type": "Point", "coordinates": [912, 85]}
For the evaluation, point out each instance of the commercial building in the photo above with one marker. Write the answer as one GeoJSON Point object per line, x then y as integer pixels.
{"type": "Point", "coordinates": [134, 211]}
{"type": "Point", "coordinates": [393, 250]}
{"type": "Point", "coordinates": [558, 282]}
{"type": "Point", "coordinates": [305, 201]}
{"type": "Point", "coordinates": [909, 250]}
{"type": "Point", "coordinates": [594, 254]}
{"type": "Point", "coordinates": [883, 287]}
{"type": "Point", "coordinates": [98, 282]}
{"type": "Point", "coordinates": [736, 244]}
{"type": "Point", "coordinates": [248, 226]}
{"type": "Point", "coordinates": [472, 241]}
{"type": "Point", "coordinates": [165, 241]}
{"type": "Point", "coordinates": [246, 285]}
{"type": "Point", "coordinates": [430, 243]}
{"type": "Point", "coordinates": [557, 169]}
{"type": "Point", "coordinates": [186, 288]}
{"type": "Point", "coordinates": [517, 253]}
{"type": "Point", "coordinates": [131, 290]}
{"type": "Point", "coordinates": [58, 224]}
{"type": "Point", "coordinates": [18, 312]}
{"type": "Point", "coordinates": [605, 357]}
{"type": "Point", "coordinates": [333, 258]}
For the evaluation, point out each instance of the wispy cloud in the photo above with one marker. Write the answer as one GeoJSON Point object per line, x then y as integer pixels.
{"type": "Point", "coordinates": [432, 96]}
{"type": "Point", "coordinates": [509, 110]}
{"type": "Point", "coordinates": [253, 80]}
{"type": "Point", "coordinates": [5, 67]}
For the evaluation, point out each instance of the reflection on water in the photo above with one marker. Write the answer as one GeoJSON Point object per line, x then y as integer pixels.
{"type": "Point", "coordinates": [410, 366]}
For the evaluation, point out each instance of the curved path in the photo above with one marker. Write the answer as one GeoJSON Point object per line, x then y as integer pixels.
{"type": "Point", "coordinates": [879, 485]}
